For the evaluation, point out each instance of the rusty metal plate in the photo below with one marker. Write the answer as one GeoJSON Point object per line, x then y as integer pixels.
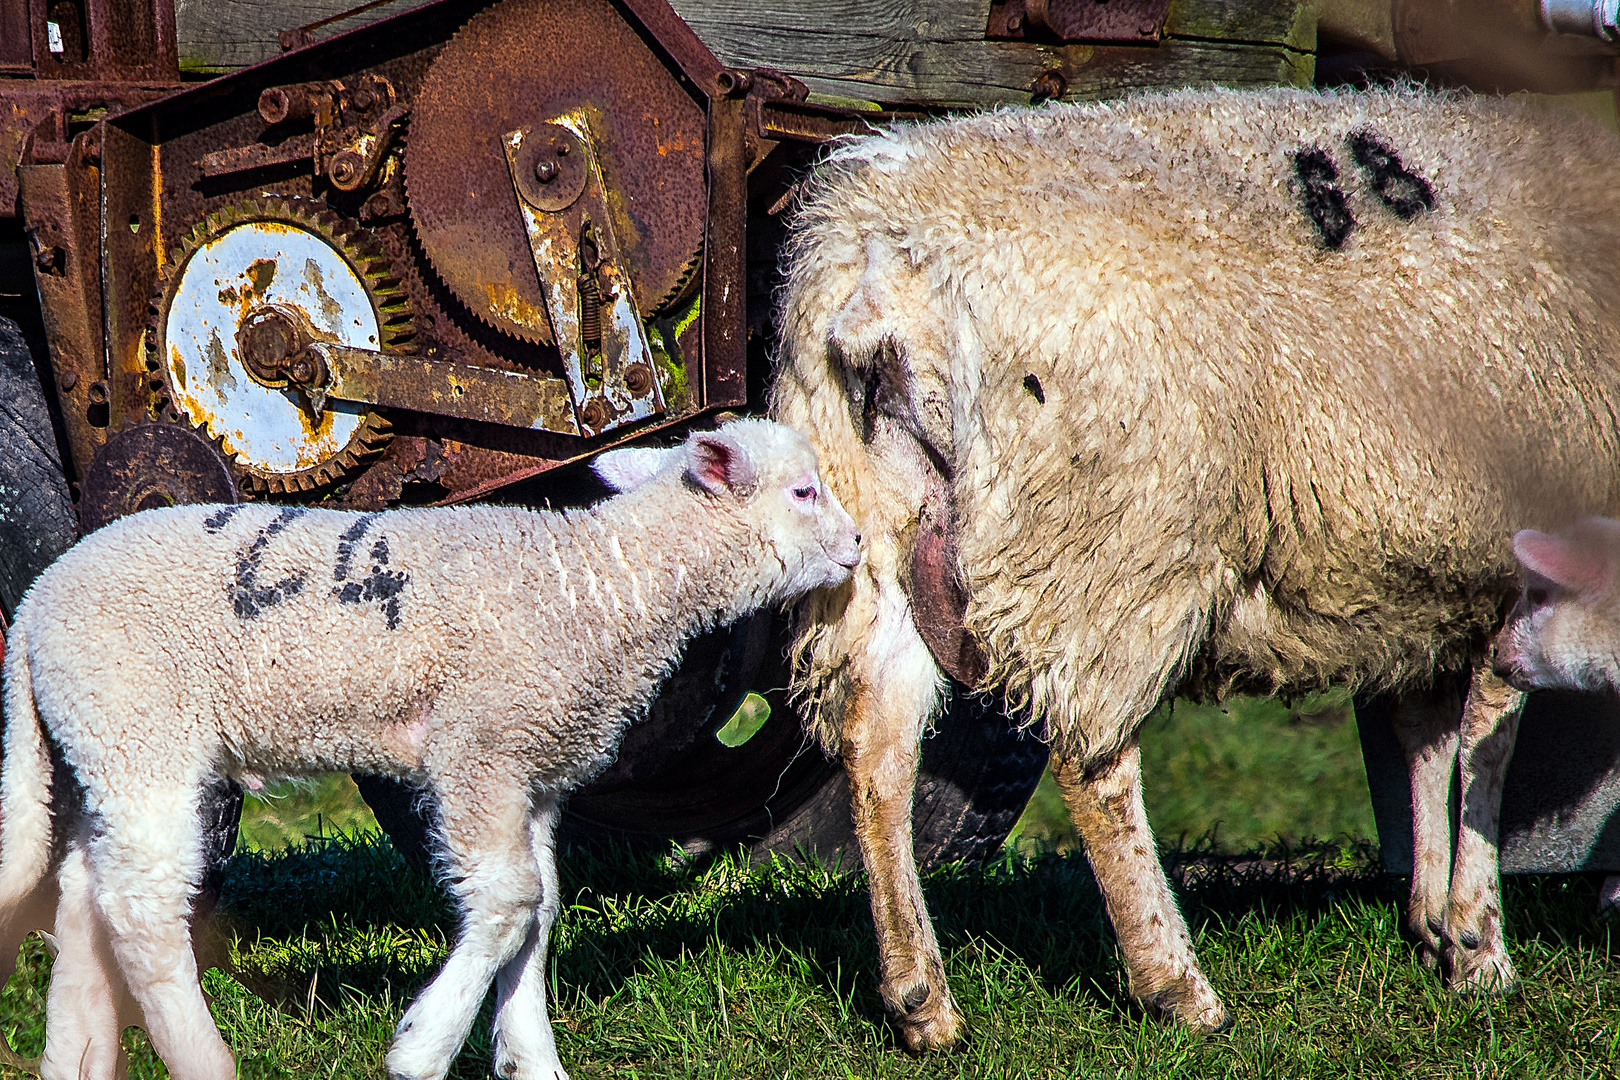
{"type": "Point", "coordinates": [1078, 20]}
{"type": "Point", "coordinates": [153, 465]}
{"type": "Point", "coordinates": [520, 64]}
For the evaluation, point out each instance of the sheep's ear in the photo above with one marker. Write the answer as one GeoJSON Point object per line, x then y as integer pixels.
{"type": "Point", "coordinates": [624, 470]}
{"type": "Point", "coordinates": [720, 465]}
{"type": "Point", "coordinates": [1574, 566]}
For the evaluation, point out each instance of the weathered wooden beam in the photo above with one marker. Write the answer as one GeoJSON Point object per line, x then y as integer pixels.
{"type": "Point", "coordinates": [892, 51]}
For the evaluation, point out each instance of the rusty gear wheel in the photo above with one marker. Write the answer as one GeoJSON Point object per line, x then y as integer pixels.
{"type": "Point", "coordinates": [519, 64]}
{"type": "Point", "coordinates": [286, 252]}
{"type": "Point", "coordinates": [153, 464]}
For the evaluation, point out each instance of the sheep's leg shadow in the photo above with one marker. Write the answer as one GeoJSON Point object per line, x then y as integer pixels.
{"type": "Point", "coordinates": [1426, 725]}
{"type": "Point", "coordinates": [1105, 801]}
{"type": "Point", "coordinates": [145, 872]}
{"type": "Point", "coordinates": [1474, 950]}
{"type": "Point", "coordinates": [525, 1047]}
{"type": "Point", "coordinates": [485, 830]}
{"type": "Point", "coordinates": [881, 744]}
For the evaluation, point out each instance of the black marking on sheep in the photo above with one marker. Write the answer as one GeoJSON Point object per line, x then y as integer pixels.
{"type": "Point", "coordinates": [220, 518]}
{"type": "Point", "coordinates": [1033, 385]}
{"type": "Point", "coordinates": [381, 584]}
{"type": "Point", "coordinates": [1405, 192]}
{"type": "Point", "coordinates": [1325, 204]}
{"type": "Point", "coordinates": [247, 596]}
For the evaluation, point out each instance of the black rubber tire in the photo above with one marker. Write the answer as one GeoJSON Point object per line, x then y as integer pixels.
{"type": "Point", "coordinates": [37, 522]}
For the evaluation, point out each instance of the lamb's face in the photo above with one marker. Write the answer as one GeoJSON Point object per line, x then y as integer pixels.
{"type": "Point", "coordinates": [1564, 632]}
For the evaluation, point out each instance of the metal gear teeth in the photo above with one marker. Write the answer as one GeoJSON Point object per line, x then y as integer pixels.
{"type": "Point", "coordinates": [395, 320]}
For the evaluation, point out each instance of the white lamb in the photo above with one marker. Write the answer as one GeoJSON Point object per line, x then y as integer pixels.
{"type": "Point", "coordinates": [492, 655]}
{"type": "Point", "coordinates": [1215, 389]}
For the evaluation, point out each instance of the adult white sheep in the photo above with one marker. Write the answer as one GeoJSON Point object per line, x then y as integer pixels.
{"type": "Point", "coordinates": [493, 655]}
{"type": "Point", "coordinates": [1218, 390]}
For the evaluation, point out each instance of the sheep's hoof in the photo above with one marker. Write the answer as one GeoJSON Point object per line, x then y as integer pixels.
{"type": "Point", "coordinates": [1192, 1001]}
{"type": "Point", "coordinates": [930, 1020]}
{"type": "Point", "coordinates": [1482, 971]}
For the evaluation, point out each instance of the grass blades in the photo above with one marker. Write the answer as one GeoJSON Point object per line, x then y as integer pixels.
{"type": "Point", "coordinates": [663, 968]}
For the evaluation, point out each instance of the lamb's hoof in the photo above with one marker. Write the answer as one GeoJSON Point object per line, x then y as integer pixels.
{"type": "Point", "coordinates": [928, 1020]}
{"type": "Point", "coordinates": [1193, 1002]}
{"type": "Point", "coordinates": [1482, 971]}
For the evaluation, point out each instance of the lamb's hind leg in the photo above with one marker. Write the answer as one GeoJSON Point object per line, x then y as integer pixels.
{"type": "Point", "coordinates": [880, 742]}
{"type": "Point", "coordinates": [1425, 724]}
{"type": "Point", "coordinates": [1474, 952]}
{"type": "Point", "coordinates": [484, 830]}
{"type": "Point", "coordinates": [145, 867]}
{"type": "Point", "coordinates": [1105, 801]}
{"type": "Point", "coordinates": [525, 1046]}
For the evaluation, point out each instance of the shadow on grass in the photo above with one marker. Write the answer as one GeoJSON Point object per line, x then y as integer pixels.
{"type": "Point", "coordinates": [349, 913]}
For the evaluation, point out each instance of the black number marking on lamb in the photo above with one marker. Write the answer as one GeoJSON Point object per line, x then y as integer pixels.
{"type": "Point", "coordinates": [220, 518]}
{"type": "Point", "coordinates": [1325, 204]}
{"type": "Point", "coordinates": [1405, 192]}
{"type": "Point", "coordinates": [246, 594]}
{"type": "Point", "coordinates": [381, 584]}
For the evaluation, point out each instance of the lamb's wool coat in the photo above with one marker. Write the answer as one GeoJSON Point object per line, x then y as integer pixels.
{"type": "Point", "coordinates": [491, 655]}
{"type": "Point", "coordinates": [1219, 389]}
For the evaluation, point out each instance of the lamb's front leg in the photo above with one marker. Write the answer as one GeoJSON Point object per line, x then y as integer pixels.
{"type": "Point", "coordinates": [484, 828]}
{"type": "Point", "coordinates": [893, 690]}
{"type": "Point", "coordinates": [525, 1046]}
{"type": "Point", "coordinates": [1474, 952]}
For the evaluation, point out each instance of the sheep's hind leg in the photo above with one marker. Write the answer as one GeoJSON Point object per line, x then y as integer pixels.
{"type": "Point", "coordinates": [485, 833]}
{"type": "Point", "coordinates": [1474, 952]}
{"type": "Point", "coordinates": [525, 1047]}
{"type": "Point", "coordinates": [88, 1005]}
{"type": "Point", "coordinates": [1425, 724]}
{"type": "Point", "coordinates": [145, 870]}
{"type": "Point", "coordinates": [880, 742]}
{"type": "Point", "coordinates": [1105, 801]}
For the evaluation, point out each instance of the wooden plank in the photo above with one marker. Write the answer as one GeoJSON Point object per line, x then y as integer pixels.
{"type": "Point", "coordinates": [934, 51]}
{"type": "Point", "coordinates": [892, 51]}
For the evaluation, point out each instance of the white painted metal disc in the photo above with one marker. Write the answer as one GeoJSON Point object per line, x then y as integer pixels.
{"type": "Point", "coordinates": [249, 265]}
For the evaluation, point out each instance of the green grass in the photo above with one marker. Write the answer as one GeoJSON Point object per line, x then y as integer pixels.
{"type": "Point", "coordinates": [666, 968]}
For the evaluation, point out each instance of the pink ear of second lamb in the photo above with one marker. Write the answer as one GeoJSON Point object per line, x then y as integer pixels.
{"type": "Point", "coordinates": [1572, 565]}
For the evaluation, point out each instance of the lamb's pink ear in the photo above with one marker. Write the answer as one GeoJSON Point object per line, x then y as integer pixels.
{"type": "Point", "coordinates": [1574, 566]}
{"type": "Point", "coordinates": [720, 465]}
{"type": "Point", "coordinates": [623, 470]}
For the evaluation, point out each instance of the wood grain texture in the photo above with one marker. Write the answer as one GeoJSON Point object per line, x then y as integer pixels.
{"type": "Point", "coordinates": [892, 51]}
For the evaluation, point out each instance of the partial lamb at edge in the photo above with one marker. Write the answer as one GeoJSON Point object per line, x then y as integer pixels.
{"type": "Point", "coordinates": [491, 655]}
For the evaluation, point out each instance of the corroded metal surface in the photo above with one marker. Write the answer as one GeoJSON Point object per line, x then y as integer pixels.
{"type": "Point", "coordinates": [488, 395]}
{"type": "Point", "coordinates": [152, 465]}
{"type": "Point", "coordinates": [290, 259]}
{"type": "Point", "coordinates": [522, 63]}
{"type": "Point", "coordinates": [1078, 20]}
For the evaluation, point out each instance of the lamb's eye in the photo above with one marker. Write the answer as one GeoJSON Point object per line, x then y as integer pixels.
{"type": "Point", "coordinates": [804, 494]}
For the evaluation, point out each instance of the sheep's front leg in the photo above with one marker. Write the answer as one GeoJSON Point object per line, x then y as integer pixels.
{"type": "Point", "coordinates": [88, 1005]}
{"type": "Point", "coordinates": [525, 1047]}
{"type": "Point", "coordinates": [484, 826]}
{"type": "Point", "coordinates": [1474, 952]}
{"type": "Point", "coordinates": [1105, 801]}
{"type": "Point", "coordinates": [893, 690]}
{"type": "Point", "coordinates": [1426, 725]}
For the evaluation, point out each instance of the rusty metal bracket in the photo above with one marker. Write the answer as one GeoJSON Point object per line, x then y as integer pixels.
{"type": "Point", "coordinates": [1078, 20]}
{"type": "Point", "coordinates": [593, 313]}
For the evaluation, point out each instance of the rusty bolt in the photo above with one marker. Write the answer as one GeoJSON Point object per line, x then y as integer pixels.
{"type": "Point", "coordinates": [1148, 29]}
{"type": "Point", "coordinates": [50, 260]}
{"type": "Point", "coordinates": [275, 105]}
{"type": "Point", "coordinates": [345, 170]}
{"type": "Point", "coordinates": [301, 370]}
{"type": "Point", "coordinates": [68, 380]}
{"type": "Point", "coordinates": [363, 98]}
{"type": "Point", "coordinates": [638, 377]}
{"type": "Point", "coordinates": [545, 171]}
{"type": "Point", "coordinates": [1015, 23]}
{"type": "Point", "coordinates": [562, 149]}
{"type": "Point", "coordinates": [377, 206]}
{"type": "Point", "coordinates": [1049, 86]}
{"type": "Point", "coordinates": [594, 414]}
